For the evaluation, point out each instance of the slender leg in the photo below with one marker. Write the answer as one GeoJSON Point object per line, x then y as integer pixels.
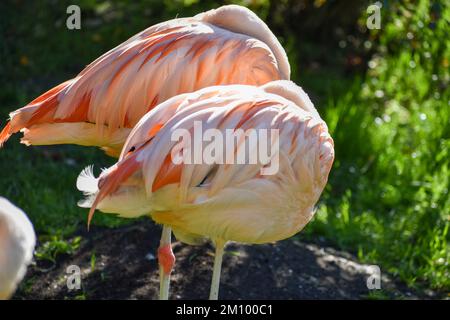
{"type": "Point", "coordinates": [215, 283]}
{"type": "Point", "coordinates": [166, 260]}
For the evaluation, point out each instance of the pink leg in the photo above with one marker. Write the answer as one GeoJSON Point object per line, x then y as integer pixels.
{"type": "Point", "coordinates": [166, 260]}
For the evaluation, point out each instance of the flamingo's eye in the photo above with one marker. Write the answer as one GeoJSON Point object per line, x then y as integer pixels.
{"type": "Point", "coordinates": [132, 149]}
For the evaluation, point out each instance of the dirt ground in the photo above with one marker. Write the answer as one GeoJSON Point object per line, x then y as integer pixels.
{"type": "Point", "coordinates": [125, 268]}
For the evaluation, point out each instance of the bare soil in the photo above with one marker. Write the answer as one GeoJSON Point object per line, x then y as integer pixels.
{"type": "Point", "coordinates": [125, 267]}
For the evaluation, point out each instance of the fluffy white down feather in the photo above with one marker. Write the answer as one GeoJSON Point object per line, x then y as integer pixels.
{"type": "Point", "coordinates": [87, 182]}
{"type": "Point", "coordinates": [17, 241]}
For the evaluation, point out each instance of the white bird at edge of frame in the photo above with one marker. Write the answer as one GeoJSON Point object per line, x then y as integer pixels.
{"type": "Point", "coordinates": [17, 241]}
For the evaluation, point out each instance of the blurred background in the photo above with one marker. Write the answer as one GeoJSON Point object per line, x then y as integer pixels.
{"type": "Point", "coordinates": [383, 93]}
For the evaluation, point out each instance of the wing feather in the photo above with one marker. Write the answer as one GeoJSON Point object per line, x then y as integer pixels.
{"type": "Point", "coordinates": [119, 87]}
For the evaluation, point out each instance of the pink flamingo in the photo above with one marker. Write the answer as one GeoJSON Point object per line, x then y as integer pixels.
{"type": "Point", "coordinates": [229, 45]}
{"type": "Point", "coordinates": [101, 105]}
{"type": "Point", "coordinates": [222, 202]}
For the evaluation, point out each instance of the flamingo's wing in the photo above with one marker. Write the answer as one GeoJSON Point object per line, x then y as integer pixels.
{"type": "Point", "coordinates": [152, 142]}
{"type": "Point", "coordinates": [117, 89]}
{"type": "Point", "coordinates": [182, 191]}
{"type": "Point", "coordinates": [196, 192]}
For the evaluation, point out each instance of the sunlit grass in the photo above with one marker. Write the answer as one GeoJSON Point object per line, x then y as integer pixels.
{"type": "Point", "coordinates": [388, 196]}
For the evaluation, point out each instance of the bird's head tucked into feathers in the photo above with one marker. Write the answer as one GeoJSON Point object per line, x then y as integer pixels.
{"type": "Point", "coordinates": [147, 180]}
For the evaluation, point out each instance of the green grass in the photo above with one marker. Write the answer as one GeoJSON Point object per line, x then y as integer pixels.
{"type": "Point", "coordinates": [42, 181]}
{"type": "Point", "coordinates": [388, 194]}
{"type": "Point", "coordinates": [53, 246]}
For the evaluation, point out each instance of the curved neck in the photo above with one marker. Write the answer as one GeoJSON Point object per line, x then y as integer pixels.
{"type": "Point", "coordinates": [241, 20]}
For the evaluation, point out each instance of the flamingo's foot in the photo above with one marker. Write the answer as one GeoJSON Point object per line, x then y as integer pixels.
{"type": "Point", "coordinates": [166, 258]}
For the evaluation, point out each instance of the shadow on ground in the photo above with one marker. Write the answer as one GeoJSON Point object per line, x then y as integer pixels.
{"type": "Point", "coordinates": [125, 267]}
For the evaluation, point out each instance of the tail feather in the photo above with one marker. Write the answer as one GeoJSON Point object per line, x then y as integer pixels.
{"type": "Point", "coordinates": [5, 134]}
{"type": "Point", "coordinates": [40, 110]}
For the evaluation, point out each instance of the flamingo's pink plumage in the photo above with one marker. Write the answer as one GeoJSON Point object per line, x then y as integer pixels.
{"type": "Point", "coordinates": [226, 201]}
{"type": "Point", "coordinates": [98, 107]}
{"type": "Point", "coordinates": [220, 201]}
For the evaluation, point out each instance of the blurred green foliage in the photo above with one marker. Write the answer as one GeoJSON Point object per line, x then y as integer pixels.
{"type": "Point", "coordinates": [389, 189]}
{"type": "Point", "coordinates": [384, 94]}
